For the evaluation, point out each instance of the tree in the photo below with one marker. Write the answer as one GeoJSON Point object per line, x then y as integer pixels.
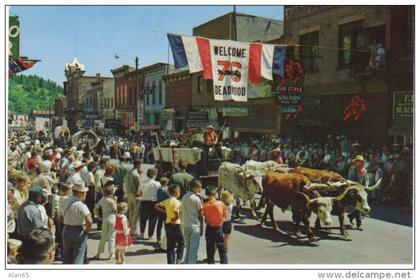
{"type": "Point", "coordinates": [31, 92]}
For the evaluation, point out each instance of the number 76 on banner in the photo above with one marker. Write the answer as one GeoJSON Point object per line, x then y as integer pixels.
{"type": "Point", "coordinates": [229, 68]}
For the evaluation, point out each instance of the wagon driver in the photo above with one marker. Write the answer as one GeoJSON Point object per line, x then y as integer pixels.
{"type": "Point", "coordinates": [210, 139]}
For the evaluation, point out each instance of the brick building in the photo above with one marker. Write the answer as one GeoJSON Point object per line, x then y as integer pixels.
{"type": "Point", "coordinates": [75, 89]}
{"type": "Point", "coordinates": [178, 88]}
{"type": "Point", "coordinates": [93, 99]}
{"type": "Point", "coordinates": [125, 94]}
{"type": "Point", "coordinates": [106, 104]}
{"type": "Point", "coordinates": [335, 44]}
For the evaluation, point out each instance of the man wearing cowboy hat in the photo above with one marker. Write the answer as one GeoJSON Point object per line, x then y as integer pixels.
{"type": "Point", "coordinates": [210, 139]}
{"type": "Point", "coordinates": [276, 155]}
{"type": "Point", "coordinates": [78, 168]}
{"type": "Point", "coordinates": [357, 173]}
{"type": "Point", "coordinates": [77, 221]}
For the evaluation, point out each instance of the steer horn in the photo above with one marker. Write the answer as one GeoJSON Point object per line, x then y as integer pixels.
{"type": "Point", "coordinates": [374, 186]}
{"type": "Point", "coordinates": [342, 195]}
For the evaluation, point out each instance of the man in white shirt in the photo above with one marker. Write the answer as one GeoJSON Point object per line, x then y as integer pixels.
{"type": "Point", "coordinates": [141, 150]}
{"type": "Point", "coordinates": [77, 221]}
{"type": "Point", "coordinates": [148, 198]}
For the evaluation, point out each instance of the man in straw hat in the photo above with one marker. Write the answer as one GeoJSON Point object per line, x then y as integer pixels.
{"type": "Point", "coordinates": [210, 139]}
{"type": "Point", "coordinates": [78, 168]}
{"type": "Point", "coordinates": [77, 221]}
{"type": "Point", "coordinates": [357, 173]}
{"type": "Point", "coordinates": [276, 155]}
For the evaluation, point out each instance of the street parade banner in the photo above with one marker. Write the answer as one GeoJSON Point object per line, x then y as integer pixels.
{"type": "Point", "coordinates": [230, 64]}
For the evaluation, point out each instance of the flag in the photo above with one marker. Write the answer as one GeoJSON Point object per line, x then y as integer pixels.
{"type": "Point", "coordinates": [20, 64]}
{"type": "Point", "coordinates": [230, 64]}
{"type": "Point", "coordinates": [194, 53]}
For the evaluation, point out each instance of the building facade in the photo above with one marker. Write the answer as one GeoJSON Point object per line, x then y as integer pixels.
{"type": "Point", "coordinates": [338, 46]}
{"type": "Point", "coordinates": [106, 104]}
{"type": "Point", "coordinates": [154, 93]}
{"type": "Point", "coordinates": [249, 28]}
{"type": "Point", "coordinates": [75, 89]}
{"type": "Point", "coordinates": [125, 95]}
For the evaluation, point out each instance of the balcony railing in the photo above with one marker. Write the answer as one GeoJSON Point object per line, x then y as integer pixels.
{"type": "Point", "coordinates": [361, 63]}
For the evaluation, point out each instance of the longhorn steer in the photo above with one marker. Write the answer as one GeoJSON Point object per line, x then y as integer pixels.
{"type": "Point", "coordinates": [315, 175]}
{"type": "Point", "coordinates": [243, 184]}
{"type": "Point", "coordinates": [289, 190]}
{"type": "Point", "coordinates": [266, 166]}
{"type": "Point", "coordinates": [354, 194]}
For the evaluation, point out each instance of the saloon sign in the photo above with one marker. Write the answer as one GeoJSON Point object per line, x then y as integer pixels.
{"type": "Point", "coordinates": [289, 87]}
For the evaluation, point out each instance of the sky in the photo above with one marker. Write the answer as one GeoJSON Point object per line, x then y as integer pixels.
{"type": "Point", "coordinates": [93, 34]}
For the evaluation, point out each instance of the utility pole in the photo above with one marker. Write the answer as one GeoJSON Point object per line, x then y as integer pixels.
{"type": "Point", "coordinates": [234, 25]}
{"type": "Point", "coordinates": [136, 112]}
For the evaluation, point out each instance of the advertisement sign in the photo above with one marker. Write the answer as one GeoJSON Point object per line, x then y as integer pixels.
{"type": "Point", "coordinates": [112, 124]}
{"type": "Point", "coordinates": [197, 119]}
{"type": "Point", "coordinates": [403, 105]}
{"type": "Point", "coordinates": [288, 88]}
{"type": "Point", "coordinates": [235, 112]}
{"type": "Point", "coordinates": [289, 99]}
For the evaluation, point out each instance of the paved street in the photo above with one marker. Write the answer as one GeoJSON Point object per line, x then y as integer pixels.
{"type": "Point", "coordinates": [380, 242]}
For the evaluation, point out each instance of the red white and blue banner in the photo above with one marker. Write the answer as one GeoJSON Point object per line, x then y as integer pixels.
{"type": "Point", "coordinates": [20, 64]}
{"type": "Point", "coordinates": [230, 64]}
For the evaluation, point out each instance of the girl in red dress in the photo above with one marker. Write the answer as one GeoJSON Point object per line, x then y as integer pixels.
{"type": "Point", "coordinates": [123, 238]}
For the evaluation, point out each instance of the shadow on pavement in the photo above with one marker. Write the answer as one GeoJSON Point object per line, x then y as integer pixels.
{"type": "Point", "coordinates": [284, 236]}
{"type": "Point", "coordinates": [142, 252]}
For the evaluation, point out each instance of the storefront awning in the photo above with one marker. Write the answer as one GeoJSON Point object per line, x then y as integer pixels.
{"type": "Point", "coordinates": [401, 128]}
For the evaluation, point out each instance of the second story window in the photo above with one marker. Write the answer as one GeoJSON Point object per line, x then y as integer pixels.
{"type": "Point", "coordinates": [199, 84]}
{"type": "Point", "coordinates": [309, 51]}
{"type": "Point", "coordinates": [147, 94]}
{"type": "Point", "coordinates": [154, 93]}
{"type": "Point", "coordinates": [349, 36]}
{"type": "Point", "coordinates": [160, 91]}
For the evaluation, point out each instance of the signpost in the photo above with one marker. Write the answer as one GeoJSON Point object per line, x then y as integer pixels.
{"type": "Point", "coordinates": [403, 105]}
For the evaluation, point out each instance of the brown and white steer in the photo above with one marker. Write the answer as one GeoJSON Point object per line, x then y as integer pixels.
{"type": "Point", "coordinates": [315, 175]}
{"type": "Point", "coordinates": [354, 194]}
{"type": "Point", "coordinates": [289, 191]}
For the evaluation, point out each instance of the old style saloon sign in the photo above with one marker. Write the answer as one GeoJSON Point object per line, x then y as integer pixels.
{"type": "Point", "coordinates": [288, 88]}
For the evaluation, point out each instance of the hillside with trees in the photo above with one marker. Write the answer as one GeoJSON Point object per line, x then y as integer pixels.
{"type": "Point", "coordinates": [31, 92]}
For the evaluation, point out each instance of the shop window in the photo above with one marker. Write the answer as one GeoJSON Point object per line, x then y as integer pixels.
{"type": "Point", "coordinates": [309, 51]}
